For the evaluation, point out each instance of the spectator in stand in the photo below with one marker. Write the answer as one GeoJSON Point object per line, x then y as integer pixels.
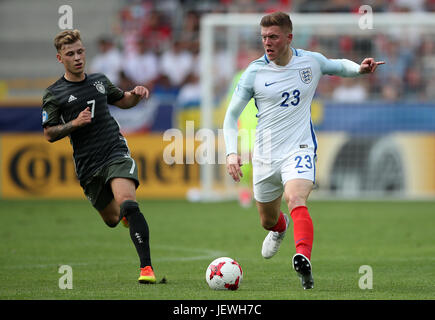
{"type": "Point", "coordinates": [141, 66]}
{"type": "Point", "coordinates": [187, 107]}
{"type": "Point", "coordinates": [430, 5]}
{"type": "Point", "coordinates": [176, 63]}
{"type": "Point", "coordinates": [190, 27]}
{"type": "Point", "coordinates": [157, 30]}
{"type": "Point", "coordinates": [414, 84]}
{"type": "Point", "coordinates": [194, 50]}
{"type": "Point", "coordinates": [398, 59]}
{"type": "Point", "coordinates": [430, 90]}
{"type": "Point", "coordinates": [350, 90]}
{"type": "Point", "coordinates": [108, 61]}
{"type": "Point", "coordinates": [407, 5]}
{"type": "Point", "coordinates": [343, 6]}
{"type": "Point", "coordinates": [427, 54]}
{"type": "Point", "coordinates": [389, 93]}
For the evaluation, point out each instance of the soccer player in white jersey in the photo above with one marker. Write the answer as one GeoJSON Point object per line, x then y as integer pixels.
{"type": "Point", "coordinates": [283, 83]}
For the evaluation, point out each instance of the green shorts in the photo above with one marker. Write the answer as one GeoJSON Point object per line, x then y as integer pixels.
{"type": "Point", "coordinates": [97, 188]}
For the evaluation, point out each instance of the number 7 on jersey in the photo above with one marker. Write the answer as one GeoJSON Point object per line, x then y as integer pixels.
{"type": "Point", "coordinates": [92, 102]}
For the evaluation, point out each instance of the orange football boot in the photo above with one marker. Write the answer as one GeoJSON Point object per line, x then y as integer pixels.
{"type": "Point", "coordinates": [147, 275]}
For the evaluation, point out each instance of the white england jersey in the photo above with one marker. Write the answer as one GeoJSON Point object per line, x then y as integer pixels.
{"type": "Point", "coordinates": [283, 96]}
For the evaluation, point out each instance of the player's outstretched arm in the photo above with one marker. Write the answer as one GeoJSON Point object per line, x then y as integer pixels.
{"type": "Point", "coordinates": [60, 131]}
{"type": "Point", "coordinates": [132, 98]}
{"type": "Point", "coordinates": [369, 65]}
{"type": "Point", "coordinates": [344, 67]}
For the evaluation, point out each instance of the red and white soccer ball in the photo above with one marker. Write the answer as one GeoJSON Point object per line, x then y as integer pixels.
{"type": "Point", "coordinates": [224, 274]}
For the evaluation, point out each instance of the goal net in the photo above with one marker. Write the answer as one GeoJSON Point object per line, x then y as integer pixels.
{"type": "Point", "coordinates": [376, 133]}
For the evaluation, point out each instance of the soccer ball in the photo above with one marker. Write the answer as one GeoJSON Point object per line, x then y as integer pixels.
{"type": "Point", "coordinates": [224, 274]}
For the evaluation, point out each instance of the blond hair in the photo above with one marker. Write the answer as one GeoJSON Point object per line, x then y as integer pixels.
{"type": "Point", "coordinates": [66, 37]}
{"type": "Point", "coordinates": [279, 19]}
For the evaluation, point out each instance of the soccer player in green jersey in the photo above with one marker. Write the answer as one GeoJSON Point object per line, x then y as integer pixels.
{"type": "Point", "coordinates": [76, 106]}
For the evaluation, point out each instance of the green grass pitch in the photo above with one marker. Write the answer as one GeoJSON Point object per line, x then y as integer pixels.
{"type": "Point", "coordinates": [396, 239]}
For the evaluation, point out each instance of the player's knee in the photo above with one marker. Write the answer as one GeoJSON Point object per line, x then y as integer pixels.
{"type": "Point", "coordinates": [129, 206]}
{"type": "Point", "coordinates": [295, 200]}
{"type": "Point", "coordinates": [125, 198]}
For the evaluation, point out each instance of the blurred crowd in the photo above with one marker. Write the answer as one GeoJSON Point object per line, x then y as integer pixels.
{"type": "Point", "coordinates": [156, 44]}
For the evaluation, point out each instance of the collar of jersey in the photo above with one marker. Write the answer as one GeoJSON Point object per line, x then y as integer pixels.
{"type": "Point", "coordinates": [295, 54]}
{"type": "Point", "coordinates": [75, 82]}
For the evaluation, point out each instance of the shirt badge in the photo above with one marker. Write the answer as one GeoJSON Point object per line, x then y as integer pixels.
{"type": "Point", "coordinates": [100, 87]}
{"type": "Point", "coordinates": [306, 75]}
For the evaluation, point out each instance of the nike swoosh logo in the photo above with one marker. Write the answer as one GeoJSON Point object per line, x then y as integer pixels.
{"type": "Point", "coordinates": [299, 171]}
{"type": "Point", "coordinates": [300, 240]}
{"type": "Point", "coordinates": [269, 84]}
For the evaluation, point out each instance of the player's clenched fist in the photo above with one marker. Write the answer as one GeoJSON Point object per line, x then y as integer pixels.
{"type": "Point", "coordinates": [140, 91]}
{"type": "Point", "coordinates": [234, 162]}
{"type": "Point", "coordinates": [84, 118]}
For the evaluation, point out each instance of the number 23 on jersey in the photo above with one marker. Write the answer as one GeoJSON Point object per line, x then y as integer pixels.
{"type": "Point", "coordinates": [294, 98]}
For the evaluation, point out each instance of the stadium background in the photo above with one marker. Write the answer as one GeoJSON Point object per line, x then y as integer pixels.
{"type": "Point", "coordinates": [376, 134]}
{"type": "Point", "coordinates": [376, 138]}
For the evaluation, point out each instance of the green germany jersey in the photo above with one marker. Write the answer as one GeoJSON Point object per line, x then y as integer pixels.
{"type": "Point", "coordinates": [98, 142]}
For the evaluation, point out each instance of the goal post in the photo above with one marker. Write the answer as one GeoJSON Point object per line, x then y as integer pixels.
{"type": "Point", "coordinates": [351, 161]}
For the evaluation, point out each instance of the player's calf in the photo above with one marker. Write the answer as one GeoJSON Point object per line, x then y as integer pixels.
{"type": "Point", "coordinates": [139, 231]}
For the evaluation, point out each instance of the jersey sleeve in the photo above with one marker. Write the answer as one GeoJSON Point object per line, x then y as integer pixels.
{"type": "Point", "coordinates": [235, 108]}
{"type": "Point", "coordinates": [113, 92]}
{"type": "Point", "coordinates": [50, 110]}
{"type": "Point", "coordinates": [243, 92]}
{"type": "Point", "coordinates": [337, 67]}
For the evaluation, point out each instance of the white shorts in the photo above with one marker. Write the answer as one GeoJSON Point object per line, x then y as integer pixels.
{"type": "Point", "coordinates": [270, 176]}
